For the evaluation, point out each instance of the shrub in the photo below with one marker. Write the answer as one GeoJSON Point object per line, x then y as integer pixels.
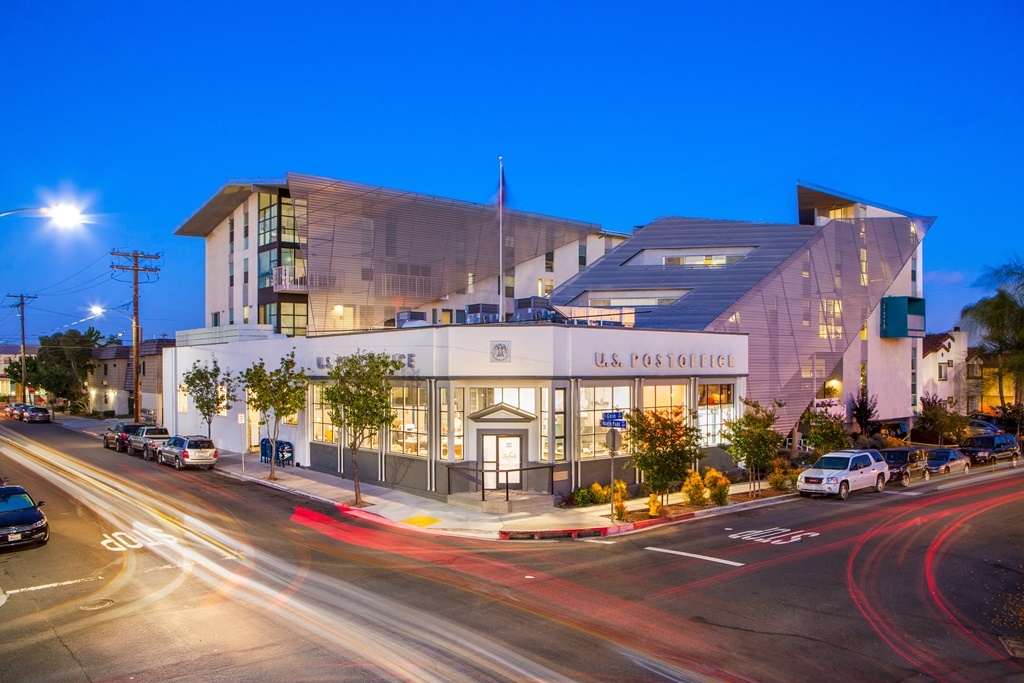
{"type": "Point", "coordinates": [620, 507]}
{"type": "Point", "coordinates": [577, 498]}
{"type": "Point", "coordinates": [778, 480]}
{"type": "Point", "coordinates": [599, 495]}
{"type": "Point", "coordinates": [621, 489]}
{"type": "Point", "coordinates": [794, 476]}
{"type": "Point", "coordinates": [645, 490]}
{"type": "Point", "coordinates": [717, 485]}
{"type": "Point", "coordinates": [693, 490]}
{"type": "Point", "coordinates": [654, 508]}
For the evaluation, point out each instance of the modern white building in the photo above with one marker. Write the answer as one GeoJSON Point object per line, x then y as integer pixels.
{"type": "Point", "coordinates": [526, 400]}
{"type": "Point", "coordinates": [695, 313]}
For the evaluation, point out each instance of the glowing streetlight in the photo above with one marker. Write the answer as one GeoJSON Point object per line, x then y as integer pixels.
{"type": "Point", "coordinates": [62, 215]}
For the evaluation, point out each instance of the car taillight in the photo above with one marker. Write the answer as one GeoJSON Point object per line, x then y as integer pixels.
{"type": "Point", "coordinates": [215, 453]}
{"type": "Point", "coordinates": [184, 454]}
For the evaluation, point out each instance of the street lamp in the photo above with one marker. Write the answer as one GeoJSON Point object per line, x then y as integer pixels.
{"type": "Point", "coordinates": [63, 216]}
{"type": "Point", "coordinates": [136, 343]}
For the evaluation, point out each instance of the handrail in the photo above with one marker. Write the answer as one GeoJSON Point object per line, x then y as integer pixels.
{"type": "Point", "coordinates": [480, 471]}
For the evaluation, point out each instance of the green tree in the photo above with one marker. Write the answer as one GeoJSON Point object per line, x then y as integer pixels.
{"type": "Point", "coordinates": [358, 397]}
{"type": "Point", "coordinates": [275, 395]}
{"type": "Point", "coordinates": [211, 390]}
{"type": "Point", "coordinates": [752, 438]}
{"type": "Point", "coordinates": [825, 432]}
{"type": "Point", "coordinates": [935, 417]}
{"type": "Point", "coordinates": [864, 409]}
{"type": "Point", "coordinates": [31, 371]}
{"type": "Point", "coordinates": [63, 363]}
{"type": "Point", "coordinates": [665, 446]}
{"type": "Point", "coordinates": [1012, 417]}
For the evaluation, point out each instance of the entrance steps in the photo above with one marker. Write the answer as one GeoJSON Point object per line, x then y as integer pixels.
{"type": "Point", "coordinates": [495, 502]}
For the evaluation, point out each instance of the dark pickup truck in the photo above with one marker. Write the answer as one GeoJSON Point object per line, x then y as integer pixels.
{"type": "Point", "coordinates": [147, 440]}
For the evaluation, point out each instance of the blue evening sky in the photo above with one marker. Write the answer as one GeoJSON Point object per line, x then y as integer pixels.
{"type": "Point", "coordinates": [610, 112]}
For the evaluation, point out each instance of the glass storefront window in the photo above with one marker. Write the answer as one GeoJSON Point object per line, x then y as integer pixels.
{"type": "Point", "coordinates": [409, 432]}
{"type": "Point", "coordinates": [458, 414]}
{"type": "Point", "coordinates": [552, 416]}
{"type": "Point", "coordinates": [714, 407]}
{"type": "Point", "coordinates": [524, 398]}
{"type": "Point", "coordinates": [664, 396]}
{"type": "Point", "coordinates": [594, 401]}
{"type": "Point", "coordinates": [323, 430]}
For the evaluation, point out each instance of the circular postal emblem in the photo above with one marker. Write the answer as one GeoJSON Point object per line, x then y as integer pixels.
{"type": "Point", "coordinates": [501, 351]}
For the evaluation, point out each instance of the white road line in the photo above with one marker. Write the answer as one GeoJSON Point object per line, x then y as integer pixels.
{"type": "Point", "coordinates": [697, 557]}
{"type": "Point", "coordinates": [902, 493]}
{"type": "Point", "coordinates": [54, 585]}
{"type": "Point", "coordinates": [594, 540]}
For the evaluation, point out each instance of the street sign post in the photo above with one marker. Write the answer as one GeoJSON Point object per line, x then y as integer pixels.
{"type": "Point", "coordinates": [613, 440]}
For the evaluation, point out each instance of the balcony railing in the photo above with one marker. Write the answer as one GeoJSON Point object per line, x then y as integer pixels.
{"type": "Point", "coordinates": [285, 279]}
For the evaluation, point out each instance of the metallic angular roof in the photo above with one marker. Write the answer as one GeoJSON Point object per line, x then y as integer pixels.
{"type": "Point", "coordinates": [713, 290]}
{"type": "Point", "coordinates": [380, 250]}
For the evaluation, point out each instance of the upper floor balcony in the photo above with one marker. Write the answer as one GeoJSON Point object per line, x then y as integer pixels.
{"type": "Point", "coordinates": [288, 279]}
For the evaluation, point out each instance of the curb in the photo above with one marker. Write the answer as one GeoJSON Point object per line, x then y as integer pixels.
{"type": "Point", "coordinates": [632, 527]}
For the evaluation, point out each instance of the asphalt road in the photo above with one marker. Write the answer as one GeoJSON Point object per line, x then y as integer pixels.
{"type": "Point", "coordinates": [154, 574]}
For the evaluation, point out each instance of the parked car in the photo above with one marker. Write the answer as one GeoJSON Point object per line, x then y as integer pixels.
{"type": "Point", "coordinates": [13, 410]}
{"type": "Point", "coordinates": [116, 436]}
{"type": "Point", "coordinates": [146, 440]}
{"type": "Point", "coordinates": [993, 420]}
{"type": "Point", "coordinates": [21, 520]}
{"type": "Point", "coordinates": [36, 414]}
{"type": "Point", "coordinates": [188, 451]}
{"type": "Point", "coordinates": [19, 414]}
{"type": "Point", "coordinates": [982, 427]}
{"type": "Point", "coordinates": [839, 473]}
{"type": "Point", "coordinates": [984, 449]}
{"type": "Point", "coordinates": [906, 464]}
{"type": "Point", "coordinates": [947, 460]}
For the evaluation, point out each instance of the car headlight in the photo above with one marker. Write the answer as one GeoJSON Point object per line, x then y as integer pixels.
{"type": "Point", "coordinates": [831, 480]}
{"type": "Point", "coordinates": [40, 523]}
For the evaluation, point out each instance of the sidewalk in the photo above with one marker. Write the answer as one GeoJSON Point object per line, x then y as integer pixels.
{"type": "Point", "coordinates": [417, 513]}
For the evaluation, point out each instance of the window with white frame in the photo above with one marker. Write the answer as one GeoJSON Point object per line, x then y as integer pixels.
{"type": "Point", "coordinates": [594, 402]}
{"type": "Point", "coordinates": [410, 431]}
{"type": "Point", "coordinates": [714, 407]}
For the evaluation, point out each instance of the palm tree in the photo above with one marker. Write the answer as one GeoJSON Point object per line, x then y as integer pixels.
{"type": "Point", "coordinates": [999, 322]}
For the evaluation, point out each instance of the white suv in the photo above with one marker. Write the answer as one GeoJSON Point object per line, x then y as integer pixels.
{"type": "Point", "coordinates": [838, 473]}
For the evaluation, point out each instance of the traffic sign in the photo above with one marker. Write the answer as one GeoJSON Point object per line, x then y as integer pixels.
{"type": "Point", "coordinates": [613, 440]}
{"type": "Point", "coordinates": [612, 415]}
{"type": "Point", "coordinates": [617, 424]}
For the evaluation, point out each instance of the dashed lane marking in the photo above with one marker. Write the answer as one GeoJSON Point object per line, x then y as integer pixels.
{"type": "Point", "coordinates": [54, 585]}
{"type": "Point", "coordinates": [696, 557]}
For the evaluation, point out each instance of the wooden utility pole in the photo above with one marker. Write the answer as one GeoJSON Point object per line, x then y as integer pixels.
{"type": "Point", "coordinates": [136, 330]}
{"type": "Point", "coordinates": [21, 314]}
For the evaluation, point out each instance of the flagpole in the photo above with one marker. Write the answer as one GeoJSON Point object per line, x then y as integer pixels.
{"type": "Point", "coordinates": [501, 242]}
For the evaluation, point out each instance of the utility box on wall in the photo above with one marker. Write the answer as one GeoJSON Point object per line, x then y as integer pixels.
{"type": "Point", "coordinates": [901, 316]}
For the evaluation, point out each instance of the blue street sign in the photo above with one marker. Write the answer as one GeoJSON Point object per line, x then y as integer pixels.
{"type": "Point", "coordinates": [613, 415]}
{"type": "Point", "coordinates": [615, 424]}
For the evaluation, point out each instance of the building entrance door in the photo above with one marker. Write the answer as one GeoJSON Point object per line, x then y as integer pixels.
{"type": "Point", "coordinates": [502, 453]}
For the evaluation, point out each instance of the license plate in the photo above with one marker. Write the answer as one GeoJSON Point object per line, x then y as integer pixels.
{"type": "Point", "coordinates": [13, 537]}
{"type": "Point", "coordinates": [812, 480]}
